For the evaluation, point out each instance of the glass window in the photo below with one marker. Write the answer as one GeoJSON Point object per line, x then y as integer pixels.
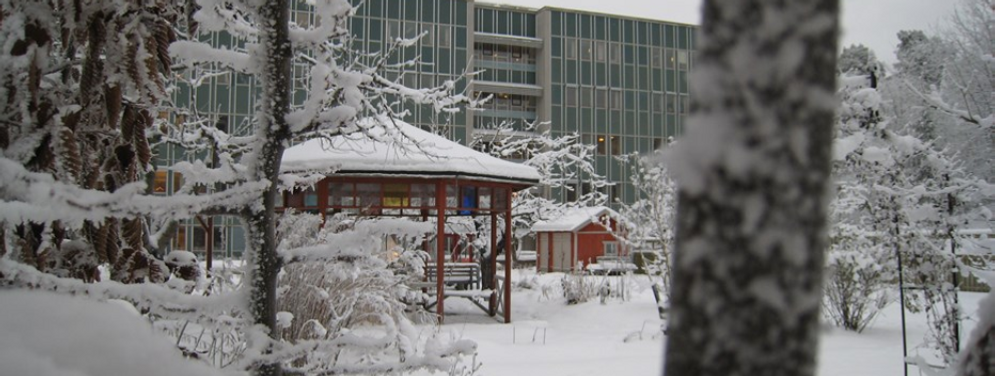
{"type": "Point", "coordinates": [599, 51]}
{"type": "Point", "coordinates": [614, 53]}
{"type": "Point", "coordinates": [159, 184]}
{"type": "Point", "coordinates": [429, 38]}
{"type": "Point", "coordinates": [445, 39]}
{"type": "Point", "coordinates": [395, 195]}
{"type": "Point", "coordinates": [199, 238]}
{"type": "Point", "coordinates": [571, 96]}
{"type": "Point", "coordinates": [410, 30]}
{"type": "Point", "coordinates": [616, 100]}
{"type": "Point", "coordinates": [367, 195]}
{"type": "Point", "coordinates": [393, 30]}
{"type": "Point", "coordinates": [657, 58]}
{"type": "Point", "coordinates": [670, 60]}
{"type": "Point", "coordinates": [671, 104]}
{"type": "Point", "coordinates": [500, 198]}
{"type": "Point", "coordinates": [616, 145]}
{"type": "Point", "coordinates": [682, 60]}
{"type": "Point", "coordinates": [484, 198]}
{"type": "Point", "coordinates": [658, 104]}
{"type": "Point", "coordinates": [310, 198]}
{"type": "Point", "coordinates": [585, 49]}
{"type": "Point", "coordinates": [601, 98]}
{"type": "Point", "coordinates": [422, 195]}
{"type": "Point", "coordinates": [468, 199]}
{"type": "Point", "coordinates": [451, 199]}
{"type": "Point", "coordinates": [611, 249]}
{"type": "Point", "coordinates": [602, 145]}
{"type": "Point", "coordinates": [570, 46]}
{"type": "Point", "coordinates": [295, 199]}
{"type": "Point", "coordinates": [585, 97]}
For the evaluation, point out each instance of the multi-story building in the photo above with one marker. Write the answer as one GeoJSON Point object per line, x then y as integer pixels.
{"type": "Point", "coordinates": [620, 82]}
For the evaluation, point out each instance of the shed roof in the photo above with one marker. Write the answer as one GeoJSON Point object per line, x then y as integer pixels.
{"type": "Point", "coordinates": [403, 149]}
{"type": "Point", "coordinates": [574, 219]}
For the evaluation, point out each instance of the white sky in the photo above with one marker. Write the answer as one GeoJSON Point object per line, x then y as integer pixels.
{"type": "Point", "coordinates": [873, 23]}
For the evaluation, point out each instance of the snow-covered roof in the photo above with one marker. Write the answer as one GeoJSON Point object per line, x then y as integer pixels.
{"type": "Point", "coordinates": [402, 150]}
{"type": "Point", "coordinates": [573, 219]}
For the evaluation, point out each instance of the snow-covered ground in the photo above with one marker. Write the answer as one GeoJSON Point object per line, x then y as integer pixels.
{"type": "Point", "coordinates": [548, 336]}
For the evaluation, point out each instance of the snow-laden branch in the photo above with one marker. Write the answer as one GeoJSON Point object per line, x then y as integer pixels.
{"type": "Point", "coordinates": [191, 53]}
{"type": "Point", "coordinates": [229, 16]}
{"type": "Point", "coordinates": [934, 101]}
{"type": "Point", "coordinates": [357, 241]}
{"type": "Point", "coordinates": [333, 15]}
{"type": "Point", "coordinates": [38, 197]}
{"type": "Point", "coordinates": [154, 298]}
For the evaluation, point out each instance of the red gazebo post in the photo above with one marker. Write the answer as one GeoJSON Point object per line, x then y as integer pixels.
{"type": "Point", "coordinates": [440, 248]}
{"type": "Point", "coordinates": [507, 257]}
{"type": "Point", "coordinates": [492, 301]}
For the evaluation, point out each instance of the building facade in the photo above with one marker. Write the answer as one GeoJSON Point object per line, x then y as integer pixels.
{"type": "Point", "coordinates": [619, 82]}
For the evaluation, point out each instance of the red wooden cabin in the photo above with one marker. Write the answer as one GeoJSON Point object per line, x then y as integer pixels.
{"type": "Point", "coordinates": [580, 235]}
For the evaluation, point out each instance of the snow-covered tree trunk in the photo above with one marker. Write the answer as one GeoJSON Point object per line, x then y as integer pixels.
{"type": "Point", "coordinates": [273, 135]}
{"type": "Point", "coordinates": [752, 177]}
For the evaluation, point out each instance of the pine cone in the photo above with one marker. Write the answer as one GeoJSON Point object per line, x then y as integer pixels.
{"type": "Point", "coordinates": [71, 160]}
{"type": "Point", "coordinates": [112, 104]}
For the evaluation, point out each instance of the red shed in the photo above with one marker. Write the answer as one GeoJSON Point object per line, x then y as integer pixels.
{"type": "Point", "coordinates": [580, 235]}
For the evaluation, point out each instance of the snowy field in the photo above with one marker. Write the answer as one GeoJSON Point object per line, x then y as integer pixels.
{"type": "Point", "coordinates": [548, 336]}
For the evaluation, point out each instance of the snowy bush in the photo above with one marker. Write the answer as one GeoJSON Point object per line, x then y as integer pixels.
{"type": "Point", "coordinates": [579, 288]}
{"type": "Point", "coordinates": [856, 289]}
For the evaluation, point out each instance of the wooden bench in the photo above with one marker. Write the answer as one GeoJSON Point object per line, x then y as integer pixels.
{"type": "Point", "coordinates": [457, 275]}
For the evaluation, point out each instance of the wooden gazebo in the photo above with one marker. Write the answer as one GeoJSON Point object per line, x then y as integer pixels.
{"type": "Point", "coordinates": [401, 170]}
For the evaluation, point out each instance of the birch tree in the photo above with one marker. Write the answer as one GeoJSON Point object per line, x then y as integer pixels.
{"type": "Point", "coordinates": [752, 177]}
{"type": "Point", "coordinates": [563, 163]}
{"type": "Point", "coordinates": [653, 215]}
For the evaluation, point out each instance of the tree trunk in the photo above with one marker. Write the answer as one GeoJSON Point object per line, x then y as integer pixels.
{"type": "Point", "coordinates": [752, 174]}
{"type": "Point", "coordinates": [273, 134]}
{"type": "Point", "coordinates": [979, 358]}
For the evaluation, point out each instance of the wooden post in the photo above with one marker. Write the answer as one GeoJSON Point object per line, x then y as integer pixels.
{"type": "Point", "coordinates": [507, 259]}
{"type": "Point", "coordinates": [208, 227]}
{"type": "Point", "coordinates": [440, 249]}
{"type": "Point", "coordinates": [492, 259]}
{"type": "Point", "coordinates": [210, 243]}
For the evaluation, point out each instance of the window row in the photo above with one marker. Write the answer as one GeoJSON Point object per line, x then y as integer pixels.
{"type": "Point", "coordinates": [389, 198]}
{"type": "Point", "coordinates": [619, 30]}
{"type": "Point", "coordinates": [602, 51]}
{"type": "Point", "coordinates": [606, 144]}
{"type": "Point", "coordinates": [509, 102]}
{"type": "Point", "coordinates": [606, 98]}
{"type": "Point", "coordinates": [500, 21]}
{"type": "Point", "coordinates": [506, 76]}
{"type": "Point", "coordinates": [435, 11]}
{"type": "Point", "coordinates": [511, 54]}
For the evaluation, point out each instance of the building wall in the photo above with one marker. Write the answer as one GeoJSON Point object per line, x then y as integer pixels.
{"type": "Point", "coordinates": [619, 82]}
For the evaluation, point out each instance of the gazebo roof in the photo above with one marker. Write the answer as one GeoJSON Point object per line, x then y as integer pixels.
{"type": "Point", "coordinates": [574, 219]}
{"type": "Point", "coordinates": [404, 150]}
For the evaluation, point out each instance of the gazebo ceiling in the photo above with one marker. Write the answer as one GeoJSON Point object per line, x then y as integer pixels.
{"type": "Point", "coordinates": [403, 150]}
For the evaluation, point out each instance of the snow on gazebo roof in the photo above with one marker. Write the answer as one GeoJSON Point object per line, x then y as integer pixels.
{"type": "Point", "coordinates": [574, 219]}
{"type": "Point", "coordinates": [401, 150]}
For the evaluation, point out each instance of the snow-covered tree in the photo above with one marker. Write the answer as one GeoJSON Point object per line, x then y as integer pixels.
{"type": "Point", "coordinates": [945, 82]}
{"type": "Point", "coordinates": [562, 162]}
{"type": "Point", "coordinates": [651, 217]}
{"type": "Point", "coordinates": [81, 85]}
{"type": "Point", "coordinates": [46, 190]}
{"type": "Point", "coordinates": [898, 206]}
{"type": "Point", "coordinates": [752, 174]}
